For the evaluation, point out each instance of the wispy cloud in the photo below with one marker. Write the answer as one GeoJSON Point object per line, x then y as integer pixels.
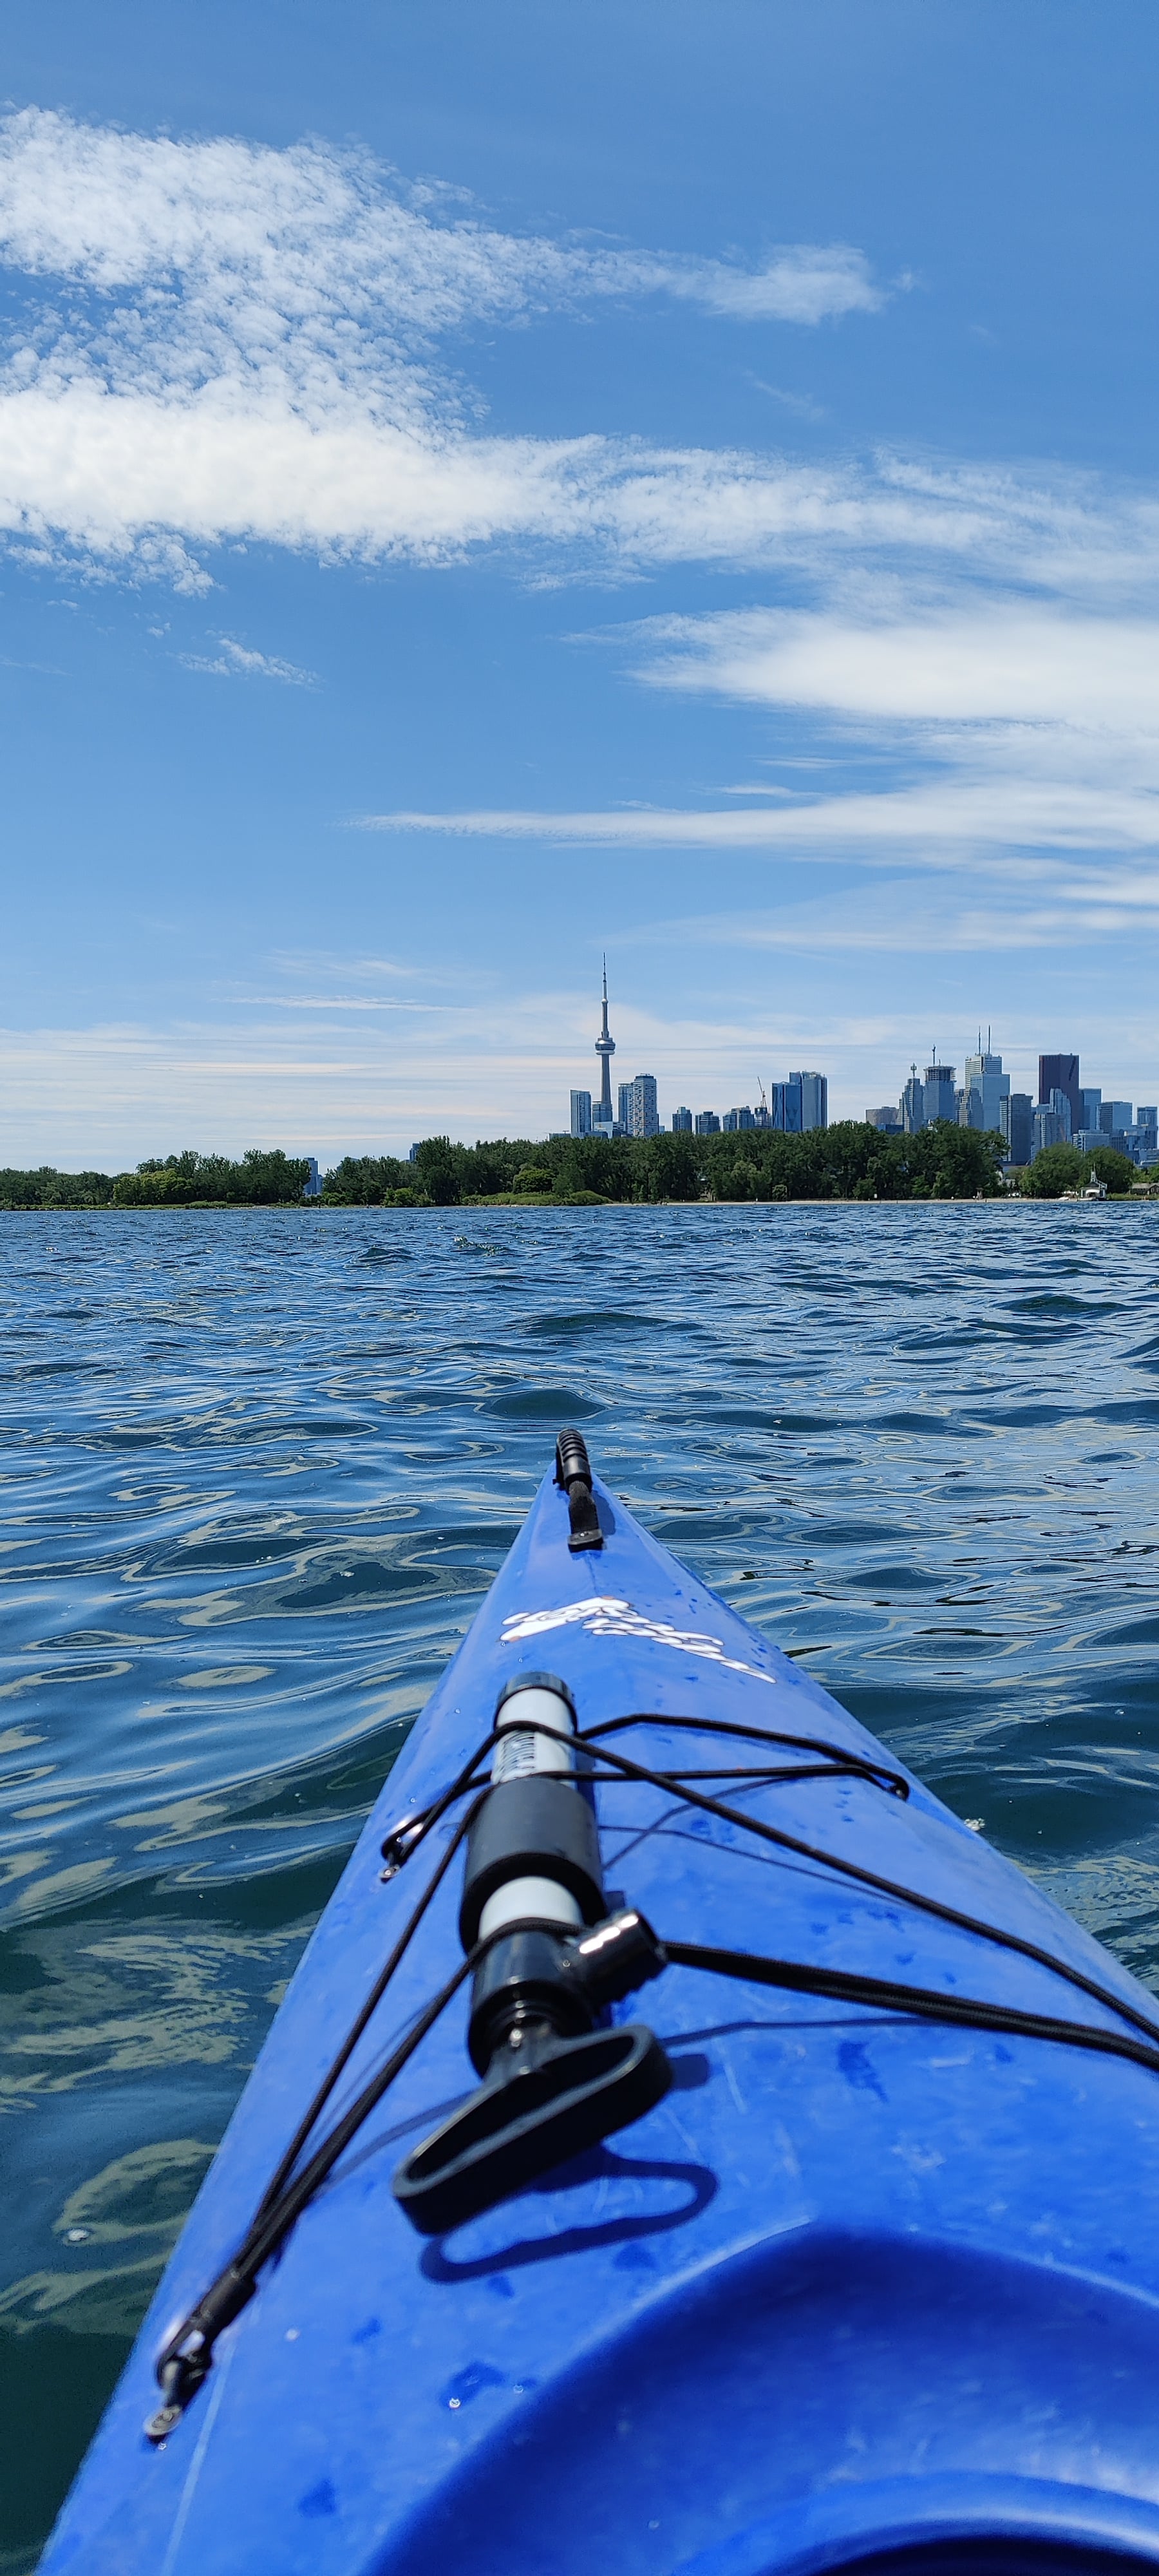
{"type": "Point", "coordinates": [235, 661]}
{"type": "Point", "coordinates": [1011, 908]}
{"type": "Point", "coordinates": [1007, 725]}
{"type": "Point", "coordinates": [932, 818]}
{"type": "Point", "coordinates": [249, 349]}
{"type": "Point", "coordinates": [220, 342]}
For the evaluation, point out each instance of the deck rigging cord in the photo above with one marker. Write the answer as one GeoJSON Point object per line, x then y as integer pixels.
{"type": "Point", "coordinates": [187, 2357]}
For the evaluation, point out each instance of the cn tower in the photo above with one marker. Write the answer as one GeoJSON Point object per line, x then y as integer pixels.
{"type": "Point", "coordinates": [605, 1049]}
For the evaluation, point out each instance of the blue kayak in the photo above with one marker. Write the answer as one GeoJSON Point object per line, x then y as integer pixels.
{"type": "Point", "coordinates": [685, 2146]}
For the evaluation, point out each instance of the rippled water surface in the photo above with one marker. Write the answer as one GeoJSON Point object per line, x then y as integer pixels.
{"type": "Point", "coordinates": [258, 1469]}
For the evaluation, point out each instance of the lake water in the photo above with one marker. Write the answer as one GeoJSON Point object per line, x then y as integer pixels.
{"type": "Point", "coordinates": [257, 1471]}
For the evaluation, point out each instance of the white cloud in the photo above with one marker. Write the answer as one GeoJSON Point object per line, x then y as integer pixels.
{"type": "Point", "coordinates": [244, 347]}
{"type": "Point", "coordinates": [1014, 908]}
{"type": "Point", "coordinates": [222, 342]}
{"type": "Point", "coordinates": [238, 661]}
{"type": "Point", "coordinates": [803, 283]}
{"type": "Point", "coordinates": [932, 817]}
{"type": "Point", "coordinates": [1016, 726]}
{"type": "Point", "coordinates": [998, 662]}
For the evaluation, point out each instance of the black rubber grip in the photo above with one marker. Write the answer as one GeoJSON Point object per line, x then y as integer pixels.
{"type": "Point", "coordinates": [571, 1460]}
{"type": "Point", "coordinates": [538, 1827]}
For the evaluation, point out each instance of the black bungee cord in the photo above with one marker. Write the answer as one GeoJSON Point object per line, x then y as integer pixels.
{"type": "Point", "coordinates": [187, 2357]}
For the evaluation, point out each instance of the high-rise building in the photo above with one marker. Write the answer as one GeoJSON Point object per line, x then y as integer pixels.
{"type": "Point", "coordinates": [1015, 1122]}
{"type": "Point", "coordinates": [581, 1113]}
{"type": "Point", "coordinates": [682, 1122]}
{"type": "Point", "coordinates": [1017, 1113]}
{"type": "Point", "coordinates": [707, 1122]}
{"type": "Point", "coordinates": [1060, 1103]}
{"type": "Point", "coordinates": [639, 1115]}
{"type": "Point", "coordinates": [913, 1104]}
{"type": "Point", "coordinates": [1114, 1115]}
{"type": "Point", "coordinates": [313, 1183]}
{"type": "Point", "coordinates": [986, 1087]}
{"type": "Point", "coordinates": [605, 1049]}
{"type": "Point", "coordinates": [885, 1119]}
{"type": "Point", "coordinates": [939, 1099]}
{"type": "Point", "coordinates": [814, 1100]}
{"type": "Point", "coordinates": [737, 1118]}
{"type": "Point", "coordinates": [1061, 1073]}
{"type": "Point", "coordinates": [785, 1106]}
{"type": "Point", "coordinates": [1090, 1103]}
{"type": "Point", "coordinates": [1048, 1127]}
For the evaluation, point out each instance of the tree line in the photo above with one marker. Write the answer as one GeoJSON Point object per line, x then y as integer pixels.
{"type": "Point", "coordinates": [260, 1179]}
{"type": "Point", "coordinates": [849, 1161]}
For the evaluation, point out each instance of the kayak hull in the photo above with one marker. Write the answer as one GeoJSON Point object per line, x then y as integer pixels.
{"type": "Point", "coordinates": [858, 2286]}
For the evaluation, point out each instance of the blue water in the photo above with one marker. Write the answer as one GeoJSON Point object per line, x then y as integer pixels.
{"type": "Point", "coordinates": [257, 1470]}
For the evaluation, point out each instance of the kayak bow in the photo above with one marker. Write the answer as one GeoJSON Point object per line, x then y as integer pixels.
{"type": "Point", "coordinates": [870, 2274]}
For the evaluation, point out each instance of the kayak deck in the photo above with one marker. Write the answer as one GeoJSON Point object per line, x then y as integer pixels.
{"type": "Point", "coordinates": [858, 2285]}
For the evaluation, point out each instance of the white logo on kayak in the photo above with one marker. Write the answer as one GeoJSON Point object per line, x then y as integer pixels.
{"type": "Point", "coordinates": [605, 1616]}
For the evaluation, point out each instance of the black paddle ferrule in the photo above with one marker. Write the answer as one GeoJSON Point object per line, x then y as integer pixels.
{"type": "Point", "coordinates": [561, 1985]}
{"type": "Point", "coordinates": [573, 1472]}
{"type": "Point", "coordinates": [524, 1980]}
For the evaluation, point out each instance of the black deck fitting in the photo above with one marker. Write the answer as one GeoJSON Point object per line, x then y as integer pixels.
{"type": "Point", "coordinates": [573, 1472]}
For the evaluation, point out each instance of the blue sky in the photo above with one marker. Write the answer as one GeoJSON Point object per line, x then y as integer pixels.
{"type": "Point", "coordinates": [480, 486]}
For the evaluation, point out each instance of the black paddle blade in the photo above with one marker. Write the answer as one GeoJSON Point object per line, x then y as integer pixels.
{"type": "Point", "coordinates": [511, 2132]}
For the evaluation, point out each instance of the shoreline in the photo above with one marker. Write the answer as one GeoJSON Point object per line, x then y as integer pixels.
{"type": "Point", "coordinates": [569, 1206]}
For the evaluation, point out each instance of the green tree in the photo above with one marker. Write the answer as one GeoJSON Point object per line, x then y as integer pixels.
{"type": "Point", "coordinates": [367, 1180]}
{"type": "Point", "coordinates": [1057, 1168]}
{"type": "Point", "coordinates": [954, 1162]}
{"type": "Point", "coordinates": [669, 1168]}
{"type": "Point", "coordinates": [48, 1188]}
{"type": "Point", "coordinates": [434, 1166]}
{"type": "Point", "coordinates": [261, 1179]}
{"type": "Point", "coordinates": [1104, 1164]}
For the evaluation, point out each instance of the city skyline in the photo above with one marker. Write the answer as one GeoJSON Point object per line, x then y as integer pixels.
{"type": "Point", "coordinates": [794, 1106]}
{"type": "Point", "coordinates": [1062, 1111]}
{"type": "Point", "coordinates": [1065, 1110]}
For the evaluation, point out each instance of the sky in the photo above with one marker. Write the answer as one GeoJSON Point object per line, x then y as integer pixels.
{"type": "Point", "coordinates": [486, 487]}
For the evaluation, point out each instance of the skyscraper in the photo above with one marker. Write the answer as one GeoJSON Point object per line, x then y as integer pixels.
{"type": "Point", "coordinates": [605, 1049]}
{"type": "Point", "coordinates": [638, 1098]}
{"type": "Point", "coordinates": [785, 1106]}
{"type": "Point", "coordinates": [986, 1089]}
{"type": "Point", "coordinates": [814, 1100]}
{"type": "Point", "coordinates": [1059, 1101]}
{"type": "Point", "coordinates": [939, 1099]}
{"type": "Point", "coordinates": [1015, 1120]}
{"type": "Point", "coordinates": [913, 1104]}
{"type": "Point", "coordinates": [1061, 1073]}
{"type": "Point", "coordinates": [682, 1122]}
{"type": "Point", "coordinates": [581, 1113]}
